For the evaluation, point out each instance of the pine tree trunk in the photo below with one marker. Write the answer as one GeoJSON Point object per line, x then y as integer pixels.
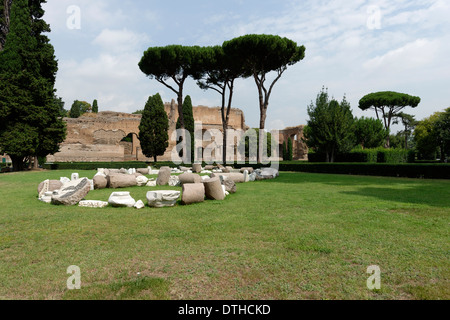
{"type": "Point", "coordinates": [224, 147]}
{"type": "Point", "coordinates": [17, 163]}
{"type": "Point", "coordinates": [262, 127]}
{"type": "Point", "coordinates": [186, 156]}
{"type": "Point", "coordinates": [4, 29]}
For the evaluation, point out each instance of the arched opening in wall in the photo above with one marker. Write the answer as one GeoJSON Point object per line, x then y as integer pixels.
{"type": "Point", "coordinates": [130, 145]}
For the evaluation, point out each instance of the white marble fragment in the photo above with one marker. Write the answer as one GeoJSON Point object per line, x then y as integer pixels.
{"type": "Point", "coordinates": [121, 199]}
{"type": "Point", "coordinates": [93, 204]}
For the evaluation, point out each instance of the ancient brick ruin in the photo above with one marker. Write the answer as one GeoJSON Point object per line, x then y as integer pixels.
{"type": "Point", "coordinates": [100, 137]}
{"type": "Point", "coordinates": [113, 136]}
{"type": "Point", "coordinates": [299, 147]}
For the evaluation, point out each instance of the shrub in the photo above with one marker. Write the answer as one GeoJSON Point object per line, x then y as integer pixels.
{"type": "Point", "coordinates": [379, 155]}
{"type": "Point", "coordinates": [425, 171]}
{"type": "Point", "coordinates": [290, 152]}
{"type": "Point", "coordinates": [93, 165]}
{"type": "Point", "coordinates": [365, 156]}
{"type": "Point", "coordinates": [42, 160]}
{"type": "Point", "coordinates": [392, 156]}
{"type": "Point", "coordinates": [108, 165]}
{"type": "Point", "coordinates": [316, 157]}
{"type": "Point", "coordinates": [411, 156]}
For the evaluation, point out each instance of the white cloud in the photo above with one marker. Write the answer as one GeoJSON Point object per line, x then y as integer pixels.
{"type": "Point", "coordinates": [416, 54]}
{"type": "Point", "coordinates": [120, 40]}
{"type": "Point", "coordinates": [410, 53]}
{"type": "Point", "coordinates": [276, 124]}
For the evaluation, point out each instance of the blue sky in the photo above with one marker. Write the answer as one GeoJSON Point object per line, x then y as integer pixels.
{"type": "Point", "coordinates": [353, 47]}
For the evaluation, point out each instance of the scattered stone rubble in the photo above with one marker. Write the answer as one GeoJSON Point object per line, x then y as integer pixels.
{"type": "Point", "coordinates": [216, 183]}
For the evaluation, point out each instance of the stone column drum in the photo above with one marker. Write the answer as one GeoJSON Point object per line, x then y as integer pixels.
{"type": "Point", "coordinates": [190, 178]}
{"type": "Point", "coordinates": [163, 176]}
{"type": "Point", "coordinates": [213, 189]}
{"type": "Point", "coordinates": [193, 193]}
{"type": "Point", "coordinates": [117, 181]}
{"type": "Point", "coordinates": [197, 168]}
{"type": "Point", "coordinates": [236, 177]}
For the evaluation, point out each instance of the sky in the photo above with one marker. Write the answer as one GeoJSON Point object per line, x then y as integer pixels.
{"type": "Point", "coordinates": [353, 48]}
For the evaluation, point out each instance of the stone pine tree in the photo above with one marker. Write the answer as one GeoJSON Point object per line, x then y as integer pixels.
{"type": "Point", "coordinates": [172, 66]}
{"type": "Point", "coordinates": [387, 104]}
{"type": "Point", "coordinates": [154, 127]}
{"type": "Point", "coordinates": [189, 123]}
{"type": "Point", "coordinates": [95, 106]}
{"type": "Point", "coordinates": [219, 73]}
{"type": "Point", "coordinates": [263, 54]}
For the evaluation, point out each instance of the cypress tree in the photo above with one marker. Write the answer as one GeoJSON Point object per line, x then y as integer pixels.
{"type": "Point", "coordinates": [284, 151]}
{"type": "Point", "coordinates": [30, 120]}
{"type": "Point", "coordinates": [5, 9]}
{"type": "Point", "coordinates": [52, 131]}
{"type": "Point", "coordinates": [154, 127]}
{"type": "Point", "coordinates": [19, 116]}
{"type": "Point", "coordinates": [75, 110]}
{"type": "Point", "coordinates": [189, 123]}
{"type": "Point", "coordinates": [290, 154]}
{"type": "Point", "coordinates": [95, 107]}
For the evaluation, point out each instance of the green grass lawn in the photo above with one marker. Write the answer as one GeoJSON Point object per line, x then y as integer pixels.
{"type": "Point", "coordinates": [301, 236]}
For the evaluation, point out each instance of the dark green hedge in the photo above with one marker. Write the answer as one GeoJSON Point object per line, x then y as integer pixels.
{"type": "Point", "coordinates": [426, 171]}
{"type": "Point", "coordinates": [392, 156]}
{"type": "Point", "coordinates": [381, 155]}
{"type": "Point", "coordinates": [93, 165]}
{"type": "Point", "coordinates": [108, 165]}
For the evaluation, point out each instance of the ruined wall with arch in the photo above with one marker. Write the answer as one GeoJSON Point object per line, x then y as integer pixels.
{"type": "Point", "coordinates": [100, 137]}
{"type": "Point", "coordinates": [299, 147]}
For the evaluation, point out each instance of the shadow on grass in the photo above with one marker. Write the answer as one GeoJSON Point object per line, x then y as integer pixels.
{"type": "Point", "coordinates": [434, 193]}
{"type": "Point", "coordinates": [426, 195]}
{"type": "Point", "coordinates": [140, 289]}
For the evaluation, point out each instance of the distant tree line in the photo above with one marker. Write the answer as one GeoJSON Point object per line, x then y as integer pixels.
{"type": "Point", "coordinates": [81, 107]}
{"type": "Point", "coordinates": [432, 136]}
{"type": "Point", "coordinates": [332, 129]}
